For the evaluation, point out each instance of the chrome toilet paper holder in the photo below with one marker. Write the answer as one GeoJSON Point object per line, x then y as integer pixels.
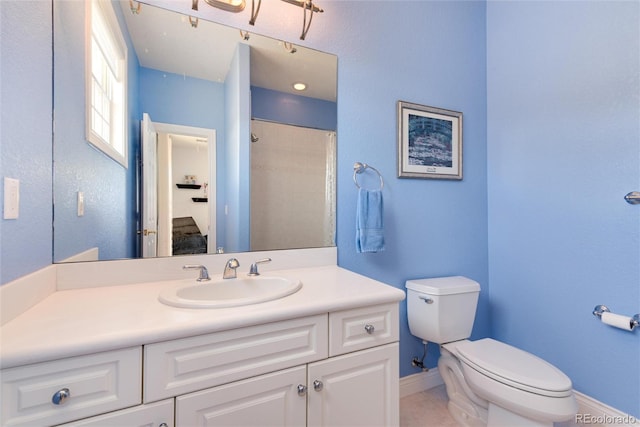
{"type": "Point", "coordinates": [599, 309]}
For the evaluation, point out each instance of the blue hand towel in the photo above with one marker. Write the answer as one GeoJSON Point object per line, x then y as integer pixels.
{"type": "Point", "coordinates": [369, 224]}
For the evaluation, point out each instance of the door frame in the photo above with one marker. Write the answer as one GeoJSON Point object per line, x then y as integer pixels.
{"type": "Point", "coordinates": [148, 196]}
{"type": "Point", "coordinates": [210, 135]}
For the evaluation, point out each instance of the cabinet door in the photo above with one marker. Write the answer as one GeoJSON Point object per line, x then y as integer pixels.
{"type": "Point", "coordinates": [357, 389]}
{"type": "Point", "coordinates": [267, 400]}
{"type": "Point", "coordinates": [158, 414]}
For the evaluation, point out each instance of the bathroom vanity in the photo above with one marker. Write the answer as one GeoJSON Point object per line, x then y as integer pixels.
{"type": "Point", "coordinates": [115, 355]}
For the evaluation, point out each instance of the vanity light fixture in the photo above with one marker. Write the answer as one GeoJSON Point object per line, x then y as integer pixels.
{"type": "Point", "coordinates": [306, 5]}
{"type": "Point", "coordinates": [193, 22]}
{"type": "Point", "coordinates": [300, 86]}
{"type": "Point", "coordinates": [234, 6]}
{"type": "Point", "coordinates": [244, 35]}
{"type": "Point", "coordinates": [289, 47]}
{"type": "Point", "coordinates": [239, 5]}
{"type": "Point", "coordinates": [135, 9]}
{"type": "Point", "coordinates": [254, 11]}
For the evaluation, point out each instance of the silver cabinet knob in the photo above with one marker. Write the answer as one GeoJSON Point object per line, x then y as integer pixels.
{"type": "Point", "coordinates": [302, 389]}
{"type": "Point", "coordinates": [317, 385]}
{"type": "Point", "coordinates": [369, 328]}
{"type": "Point", "coordinates": [60, 396]}
{"type": "Point", "coordinates": [163, 425]}
{"type": "Point", "coordinates": [633, 198]}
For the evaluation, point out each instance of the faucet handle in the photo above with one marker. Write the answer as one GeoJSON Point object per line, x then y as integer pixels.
{"type": "Point", "coordinates": [204, 274]}
{"type": "Point", "coordinates": [253, 270]}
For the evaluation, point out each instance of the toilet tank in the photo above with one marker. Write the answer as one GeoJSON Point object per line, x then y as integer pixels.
{"type": "Point", "coordinates": [442, 310]}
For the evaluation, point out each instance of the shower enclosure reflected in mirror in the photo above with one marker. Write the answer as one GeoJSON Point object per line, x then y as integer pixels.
{"type": "Point", "coordinates": [198, 184]}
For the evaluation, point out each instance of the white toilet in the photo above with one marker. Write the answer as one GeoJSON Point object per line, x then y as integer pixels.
{"type": "Point", "coordinates": [488, 382]}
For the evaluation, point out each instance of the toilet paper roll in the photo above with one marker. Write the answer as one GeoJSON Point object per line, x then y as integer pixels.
{"type": "Point", "coordinates": [617, 320]}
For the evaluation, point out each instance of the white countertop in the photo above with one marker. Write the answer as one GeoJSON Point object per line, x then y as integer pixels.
{"type": "Point", "coordinates": [83, 321]}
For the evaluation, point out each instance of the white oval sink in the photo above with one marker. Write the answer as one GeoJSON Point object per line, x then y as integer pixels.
{"type": "Point", "coordinates": [229, 292]}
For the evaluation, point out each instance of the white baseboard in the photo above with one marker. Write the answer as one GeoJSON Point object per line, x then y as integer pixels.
{"type": "Point", "coordinates": [591, 412]}
{"type": "Point", "coordinates": [419, 382]}
{"type": "Point", "coordinates": [594, 413]}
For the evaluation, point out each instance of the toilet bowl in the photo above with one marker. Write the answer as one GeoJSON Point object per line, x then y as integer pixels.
{"type": "Point", "coordinates": [488, 382]}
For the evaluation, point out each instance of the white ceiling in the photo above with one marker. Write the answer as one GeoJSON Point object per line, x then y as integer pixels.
{"type": "Point", "coordinates": [165, 40]}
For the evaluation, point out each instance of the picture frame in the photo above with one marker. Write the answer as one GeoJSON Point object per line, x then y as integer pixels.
{"type": "Point", "coordinates": [429, 142]}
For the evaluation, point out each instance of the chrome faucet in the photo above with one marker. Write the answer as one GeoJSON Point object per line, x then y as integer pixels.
{"type": "Point", "coordinates": [204, 274]}
{"type": "Point", "coordinates": [230, 269]}
{"type": "Point", "coordinates": [253, 270]}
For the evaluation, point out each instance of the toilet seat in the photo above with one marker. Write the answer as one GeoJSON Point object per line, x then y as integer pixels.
{"type": "Point", "coordinates": [514, 367]}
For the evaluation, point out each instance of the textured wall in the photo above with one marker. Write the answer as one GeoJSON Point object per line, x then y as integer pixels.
{"type": "Point", "coordinates": [564, 144]}
{"type": "Point", "coordinates": [291, 109]}
{"type": "Point", "coordinates": [109, 221]}
{"type": "Point", "coordinates": [430, 53]}
{"type": "Point", "coordinates": [25, 134]}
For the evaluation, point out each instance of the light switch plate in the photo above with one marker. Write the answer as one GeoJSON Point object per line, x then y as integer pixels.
{"type": "Point", "coordinates": [11, 198]}
{"type": "Point", "coordinates": [80, 203]}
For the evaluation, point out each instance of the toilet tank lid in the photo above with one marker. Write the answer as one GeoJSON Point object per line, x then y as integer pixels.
{"type": "Point", "coordinates": [443, 285]}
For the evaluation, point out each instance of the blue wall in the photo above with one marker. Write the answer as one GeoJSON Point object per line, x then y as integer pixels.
{"type": "Point", "coordinates": [432, 227]}
{"type": "Point", "coordinates": [25, 134]}
{"type": "Point", "coordinates": [185, 101]}
{"type": "Point", "coordinates": [237, 140]}
{"type": "Point", "coordinates": [564, 140]}
{"type": "Point", "coordinates": [109, 222]}
{"type": "Point", "coordinates": [291, 109]}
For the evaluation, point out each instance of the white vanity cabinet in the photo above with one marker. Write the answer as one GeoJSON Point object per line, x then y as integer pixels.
{"type": "Point", "coordinates": [274, 399]}
{"type": "Point", "coordinates": [351, 388]}
{"type": "Point", "coordinates": [356, 389]}
{"type": "Point", "coordinates": [157, 414]}
{"type": "Point", "coordinates": [54, 392]}
{"type": "Point", "coordinates": [328, 369]}
{"type": "Point", "coordinates": [358, 385]}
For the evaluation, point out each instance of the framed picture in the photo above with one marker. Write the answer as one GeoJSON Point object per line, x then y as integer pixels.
{"type": "Point", "coordinates": [429, 142]}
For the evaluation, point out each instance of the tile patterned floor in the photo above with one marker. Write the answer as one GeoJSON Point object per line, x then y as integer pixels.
{"type": "Point", "coordinates": [426, 408]}
{"type": "Point", "coordinates": [429, 409]}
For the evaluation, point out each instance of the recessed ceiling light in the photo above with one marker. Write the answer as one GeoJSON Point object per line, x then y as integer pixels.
{"type": "Point", "coordinates": [299, 86]}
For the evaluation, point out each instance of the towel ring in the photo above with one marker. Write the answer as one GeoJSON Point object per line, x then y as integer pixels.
{"type": "Point", "coordinates": [360, 167]}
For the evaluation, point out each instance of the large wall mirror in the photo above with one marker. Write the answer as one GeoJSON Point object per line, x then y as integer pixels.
{"type": "Point", "coordinates": [223, 154]}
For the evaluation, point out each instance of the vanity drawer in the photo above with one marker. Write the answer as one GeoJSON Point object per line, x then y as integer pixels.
{"type": "Point", "coordinates": [156, 414]}
{"type": "Point", "coordinates": [361, 328]}
{"type": "Point", "coordinates": [95, 384]}
{"type": "Point", "coordinates": [190, 364]}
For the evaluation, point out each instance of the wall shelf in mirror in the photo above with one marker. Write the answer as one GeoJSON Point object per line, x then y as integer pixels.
{"type": "Point", "coordinates": [189, 186]}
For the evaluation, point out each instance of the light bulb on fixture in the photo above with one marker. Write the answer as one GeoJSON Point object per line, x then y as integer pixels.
{"type": "Point", "coordinates": [299, 86]}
